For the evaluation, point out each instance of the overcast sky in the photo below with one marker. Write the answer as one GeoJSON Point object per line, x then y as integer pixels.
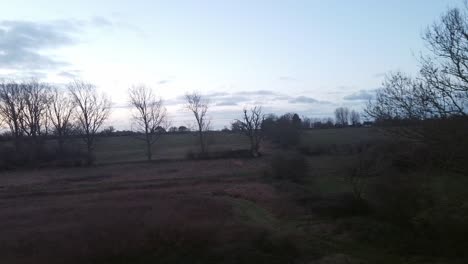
{"type": "Point", "coordinates": [303, 56]}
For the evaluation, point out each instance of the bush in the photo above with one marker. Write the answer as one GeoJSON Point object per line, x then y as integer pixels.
{"type": "Point", "coordinates": [32, 156]}
{"type": "Point", "coordinates": [291, 167]}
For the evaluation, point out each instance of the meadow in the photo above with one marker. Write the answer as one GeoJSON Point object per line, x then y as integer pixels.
{"type": "Point", "coordinates": [177, 210]}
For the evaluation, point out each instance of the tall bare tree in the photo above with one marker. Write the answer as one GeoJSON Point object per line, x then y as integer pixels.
{"type": "Point", "coordinates": [92, 108]}
{"type": "Point", "coordinates": [198, 105]}
{"type": "Point", "coordinates": [61, 109]}
{"type": "Point", "coordinates": [251, 126]}
{"type": "Point", "coordinates": [11, 109]}
{"type": "Point", "coordinates": [342, 116]}
{"type": "Point", "coordinates": [150, 115]}
{"type": "Point", "coordinates": [36, 98]}
{"type": "Point", "coordinates": [445, 71]}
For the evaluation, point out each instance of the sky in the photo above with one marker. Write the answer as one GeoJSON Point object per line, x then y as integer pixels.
{"type": "Point", "coordinates": [307, 57]}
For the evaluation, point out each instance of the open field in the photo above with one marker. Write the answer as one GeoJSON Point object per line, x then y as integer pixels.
{"type": "Point", "coordinates": [183, 211]}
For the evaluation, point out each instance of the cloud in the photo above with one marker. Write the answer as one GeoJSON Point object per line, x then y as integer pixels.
{"type": "Point", "coordinates": [24, 75]}
{"type": "Point", "coordinates": [306, 100]}
{"type": "Point", "coordinates": [226, 103]}
{"type": "Point", "coordinates": [69, 74]}
{"type": "Point", "coordinates": [23, 43]}
{"type": "Point", "coordinates": [362, 95]}
{"type": "Point", "coordinates": [258, 92]}
{"type": "Point", "coordinates": [101, 22]}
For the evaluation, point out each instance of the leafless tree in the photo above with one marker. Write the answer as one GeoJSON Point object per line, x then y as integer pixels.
{"type": "Point", "coordinates": [198, 105]}
{"type": "Point", "coordinates": [342, 116]}
{"type": "Point", "coordinates": [445, 71]}
{"type": "Point", "coordinates": [60, 110]}
{"type": "Point", "coordinates": [92, 110]}
{"type": "Point", "coordinates": [251, 126]}
{"type": "Point", "coordinates": [11, 109]}
{"type": "Point", "coordinates": [36, 98]}
{"type": "Point", "coordinates": [354, 118]}
{"type": "Point", "coordinates": [401, 97]}
{"type": "Point", "coordinates": [150, 115]}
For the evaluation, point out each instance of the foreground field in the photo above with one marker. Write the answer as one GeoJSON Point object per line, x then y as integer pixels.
{"type": "Point", "coordinates": [183, 211]}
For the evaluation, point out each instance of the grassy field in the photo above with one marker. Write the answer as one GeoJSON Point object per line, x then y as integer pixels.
{"type": "Point", "coordinates": [169, 146]}
{"type": "Point", "coordinates": [183, 211]}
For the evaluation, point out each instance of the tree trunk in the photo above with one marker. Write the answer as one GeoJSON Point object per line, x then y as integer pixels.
{"type": "Point", "coordinates": [149, 153]}
{"type": "Point", "coordinates": [89, 145]}
{"type": "Point", "coordinates": [61, 143]}
{"type": "Point", "coordinates": [202, 143]}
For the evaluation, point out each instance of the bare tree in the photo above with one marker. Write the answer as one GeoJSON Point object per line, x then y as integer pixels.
{"type": "Point", "coordinates": [36, 98]}
{"type": "Point", "coordinates": [342, 116]}
{"type": "Point", "coordinates": [199, 106]}
{"type": "Point", "coordinates": [61, 114]}
{"type": "Point", "coordinates": [11, 109]}
{"type": "Point", "coordinates": [92, 110]}
{"type": "Point", "coordinates": [354, 118]}
{"type": "Point", "coordinates": [445, 72]}
{"type": "Point", "coordinates": [150, 115]}
{"type": "Point", "coordinates": [401, 97]}
{"type": "Point", "coordinates": [251, 126]}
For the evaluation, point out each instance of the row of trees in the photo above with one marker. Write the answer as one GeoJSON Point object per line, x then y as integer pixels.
{"type": "Point", "coordinates": [33, 110]}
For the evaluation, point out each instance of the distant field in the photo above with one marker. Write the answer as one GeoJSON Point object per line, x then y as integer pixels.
{"type": "Point", "coordinates": [176, 146]}
{"type": "Point", "coordinates": [169, 146]}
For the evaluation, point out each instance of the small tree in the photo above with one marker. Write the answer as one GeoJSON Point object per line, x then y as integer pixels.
{"type": "Point", "coordinates": [251, 125]}
{"type": "Point", "coordinates": [150, 115]}
{"type": "Point", "coordinates": [92, 110]}
{"type": "Point", "coordinates": [199, 106]}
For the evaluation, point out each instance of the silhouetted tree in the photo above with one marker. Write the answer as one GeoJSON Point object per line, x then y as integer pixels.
{"type": "Point", "coordinates": [354, 118]}
{"type": "Point", "coordinates": [445, 72]}
{"type": "Point", "coordinates": [11, 109]}
{"type": "Point", "coordinates": [92, 110]}
{"type": "Point", "coordinates": [150, 115]}
{"type": "Point", "coordinates": [36, 97]}
{"type": "Point", "coordinates": [306, 122]}
{"type": "Point", "coordinates": [251, 125]}
{"type": "Point", "coordinates": [198, 105]}
{"type": "Point", "coordinates": [183, 129]}
{"type": "Point", "coordinates": [236, 126]}
{"type": "Point", "coordinates": [296, 121]}
{"type": "Point", "coordinates": [60, 111]}
{"type": "Point", "coordinates": [341, 116]}
{"type": "Point", "coordinates": [281, 129]}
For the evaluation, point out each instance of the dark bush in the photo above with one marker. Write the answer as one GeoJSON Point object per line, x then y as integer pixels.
{"type": "Point", "coordinates": [33, 156]}
{"type": "Point", "coordinates": [283, 130]}
{"type": "Point", "coordinates": [289, 166]}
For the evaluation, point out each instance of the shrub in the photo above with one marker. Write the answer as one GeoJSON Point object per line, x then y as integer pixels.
{"type": "Point", "coordinates": [291, 167]}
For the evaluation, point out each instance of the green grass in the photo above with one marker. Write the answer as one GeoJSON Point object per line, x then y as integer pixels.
{"type": "Point", "coordinates": [170, 146]}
